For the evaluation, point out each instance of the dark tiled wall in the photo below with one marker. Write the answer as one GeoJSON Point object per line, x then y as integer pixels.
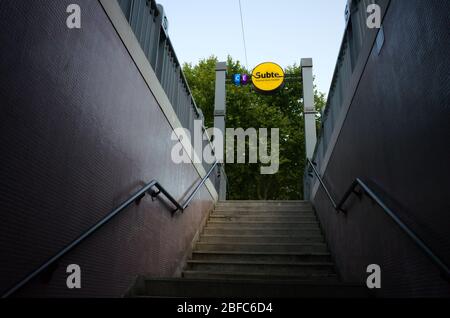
{"type": "Point", "coordinates": [397, 135]}
{"type": "Point", "coordinates": [80, 131]}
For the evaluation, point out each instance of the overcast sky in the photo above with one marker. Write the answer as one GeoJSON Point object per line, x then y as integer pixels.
{"type": "Point", "coordinates": [281, 31]}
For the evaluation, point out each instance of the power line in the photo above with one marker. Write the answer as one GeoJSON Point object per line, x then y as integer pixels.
{"type": "Point", "coordinates": [243, 34]}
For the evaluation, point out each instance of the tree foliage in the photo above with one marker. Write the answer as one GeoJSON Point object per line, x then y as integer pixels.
{"type": "Point", "coordinates": [247, 109]}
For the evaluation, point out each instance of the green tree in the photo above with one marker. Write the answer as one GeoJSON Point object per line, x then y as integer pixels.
{"type": "Point", "coordinates": [247, 109]}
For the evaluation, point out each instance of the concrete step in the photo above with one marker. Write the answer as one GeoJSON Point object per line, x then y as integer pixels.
{"type": "Point", "coordinates": [266, 213]}
{"type": "Point", "coordinates": [267, 225]}
{"type": "Point", "coordinates": [230, 256]}
{"type": "Point", "coordinates": [265, 276]}
{"type": "Point", "coordinates": [230, 230]}
{"type": "Point", "coordinates": [262, 218]}
{"type": "Point", "coordinates": [263, 247]}
{"type": "Point", "coordinates": [264, 203]}
{"type": "Point", "coordinates": [261, 238]}
{"type": "Point", "coordinates": [275, 208]}
{"type": "Point", "coordinates": [304, 268]}
{"type": "Point", "coordinates": [221, 288]}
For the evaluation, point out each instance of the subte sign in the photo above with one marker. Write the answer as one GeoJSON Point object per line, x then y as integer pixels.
{"type": "Point", "coordinates": [267, 78]}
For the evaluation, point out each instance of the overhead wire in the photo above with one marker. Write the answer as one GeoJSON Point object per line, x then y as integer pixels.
{"type": "Point", "coordinates": [243, 34]}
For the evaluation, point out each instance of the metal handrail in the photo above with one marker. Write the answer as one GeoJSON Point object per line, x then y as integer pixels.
{"type": "Point", "coordinates": [198, 187]}
{"type": "Point", "coordinates": [371, 194]}
{"type": "Point", "coordinates": [135, 198]}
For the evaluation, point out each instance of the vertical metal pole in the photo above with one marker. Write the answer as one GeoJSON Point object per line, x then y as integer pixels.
{"type": "Point", "coordinates": [309, 108]}
{"type": "Point", "coordinates": [219, 120]}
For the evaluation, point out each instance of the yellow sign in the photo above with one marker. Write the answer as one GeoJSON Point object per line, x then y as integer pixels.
{"type": "Point", "coordinates": [267, 77]}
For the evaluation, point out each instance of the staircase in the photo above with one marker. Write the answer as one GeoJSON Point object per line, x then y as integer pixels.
{"type": "Point", "coordinates": [256, 249]}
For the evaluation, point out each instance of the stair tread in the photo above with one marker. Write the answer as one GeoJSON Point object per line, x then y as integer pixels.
{"type": "Point", "coordinates": [265, 209]}
{"type": "Point", "coordinates": [262, 212]}
{"type": "Point", "coordinates": [265, 213]}
{"type": "Point", "coordinates": [280, 217]}
{"type": "Point", "coordinates": [270, 205]}
{"type": "Point", "coordinates": [263, 201]}
{"type": "Point", "coordinates": [293, 204]}
{"type": "Point", "coordinates": [237, 232]}
{"type": "Point", "coordinates": [262, 253]}
{"type": "Point", "coordinates": [260, 222]}
{"type": "Point", "coordinates": [259, 236]}
{"type": "Point", "coordinates": [262, 274]}
{"type": "Point", "coordinates": [193, 287]}
{"type": "Point", "coordinates": [209, 227]}
{"type": "Point", "coordinates": [264, 244]}
{"type": "Point", "coordinates": [260, 263]}
{"type": "Point", "coordinates": [265, 206]}
{"type": "Point", "coordinates": [252, 281]}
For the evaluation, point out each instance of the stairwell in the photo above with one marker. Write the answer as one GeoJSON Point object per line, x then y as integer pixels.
{"type": "Point", "coordinates": [256, 249]}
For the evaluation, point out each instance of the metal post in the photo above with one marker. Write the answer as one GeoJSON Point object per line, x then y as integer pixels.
{"type": "Point", "coordinates": [309, 108]}
{"type": "Point", "coordinates": [219, 120]}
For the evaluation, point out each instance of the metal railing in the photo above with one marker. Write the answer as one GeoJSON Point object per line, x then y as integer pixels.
{"type": "Point", "coordinates": [150, 26]}
{"type": "Point", "coordinates": [154, 189]}
{"type": "Point", "coordinates": [365, 189]}
{"type": "Point", "coordinates": [355, 36]}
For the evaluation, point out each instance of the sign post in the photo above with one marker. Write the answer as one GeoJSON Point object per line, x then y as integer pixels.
{"type": "Point", "coordinates": [309, 108]}
{"type": "Point", "coordinates": [219, 118]}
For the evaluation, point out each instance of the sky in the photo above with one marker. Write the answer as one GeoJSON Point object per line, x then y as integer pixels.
{"type": "Point", "coordinates": [282, 31]}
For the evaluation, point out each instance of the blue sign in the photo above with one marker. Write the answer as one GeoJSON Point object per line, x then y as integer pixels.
{"type": "Point", "coordinates": [237, 79]}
